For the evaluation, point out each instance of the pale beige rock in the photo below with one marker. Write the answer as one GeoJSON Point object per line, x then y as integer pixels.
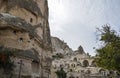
{"type": "Point", "coordinates": [24, 27]}
{"type": "Point", "coordinates": [76, 63]}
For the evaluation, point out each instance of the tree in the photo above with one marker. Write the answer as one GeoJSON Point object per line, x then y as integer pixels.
{"type": "Point", "coordinates": [5, 62]}
{"type": "Point", "coordinates": [58, 56]}
{"type": "Point", "coordinates": [61, 73]}
{"type": "Point", "coordinates": [108, 56]}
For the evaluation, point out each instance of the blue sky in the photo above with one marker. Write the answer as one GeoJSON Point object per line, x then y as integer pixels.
{"type": "Point", "coordinates": [75, 21]}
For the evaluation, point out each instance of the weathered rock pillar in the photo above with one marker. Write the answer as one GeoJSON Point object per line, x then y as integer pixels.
{"type": "Point", "coordinates": [24, 30]}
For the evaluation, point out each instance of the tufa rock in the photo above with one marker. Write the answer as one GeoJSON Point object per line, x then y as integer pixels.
{"type": "Point", "coordinates": [24, 28]}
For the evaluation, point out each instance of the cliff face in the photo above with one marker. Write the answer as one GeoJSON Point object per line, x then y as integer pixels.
{"type": "Point", "coordinates": [71, 61]}
{"type": "Point", "coordinates": [60, 46]}
{"type": "Point", "coordinates": [24, 28]}
{"type": "Point", "coordinates": [80, 50]}
{"type": "Point", "coordinates": [33, 12]}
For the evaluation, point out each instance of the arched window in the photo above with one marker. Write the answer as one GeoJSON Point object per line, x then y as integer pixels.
{"type": "Point", "coordinates": [75, 59]}
{"type": "Point", "coordinates": [61, 65]}
{"type": "Point", "coordinates": [85, 63]}
{"type": "Point", "coordinates": [14, 32]}
{"type": "Point", "coordinates": [73, 65]}
{"type": "Point", "coordinates": [102, 72]}
{"type": "Point", "coordinates": [21, 39]}
{"type": "Point", "coordinates": [82, 71]}
{"type": "Point", "coordinates": [78, 64]}
{"type": "Point", "coordinates": [88, 72]}
{"type": "Point", "coordinates": [31, 20]}
{"type": "Point", "coordinates": [93, 64]}
{"type": "Point", "coordinates": [71, 70]}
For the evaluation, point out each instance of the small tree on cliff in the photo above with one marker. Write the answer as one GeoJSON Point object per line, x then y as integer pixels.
{"type": "Point", "coordinates": [109, 54]}
{"type": "Point", "coordinates": [5, 61]}
{"type": "Point", "coordinates": [61, 73]}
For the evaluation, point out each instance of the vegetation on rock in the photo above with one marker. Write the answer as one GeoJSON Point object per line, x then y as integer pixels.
{"type": "Point", "coordinates": [5, 62]}
{"type": "Point", "coordinates": [61, 73]}
{"type": "Point", "coordinates": [58, 56]}
{"type": "Point", "coordinates": [108, 56]}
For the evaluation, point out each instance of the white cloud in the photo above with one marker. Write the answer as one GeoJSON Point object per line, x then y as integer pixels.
{"type": "Point", "coordinates": [75, 21]}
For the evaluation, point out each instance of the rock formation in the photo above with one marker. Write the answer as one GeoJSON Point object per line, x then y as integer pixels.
{"type": "Point", "coordinates": [74, 63]}
{"type": "Point", "coordinates": [60, 47]}
{"type": "Point", "coordinates": [78, 65]}
{"type": "Point", "coordinates": [80, 50]}
{"type": "Point", "coordinates": [24, 29]}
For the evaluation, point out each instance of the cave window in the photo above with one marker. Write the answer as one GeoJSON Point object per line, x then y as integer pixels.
{"type": "Point", "coordinates": [88, 72]}
{"type": "Point", "coordinates": [35, 67]}
{"type": "Point", "coordinates": [71, 70]}
{"type": "Point", "coordinates": [82, 71]}
{"type": "Point", "coordinates": [14, 32]}
{"type": "Point", "coordinates": [85, 63]}
{"type": "Point", "coordinates": [73, 65]}
{"type": "Point", "coordinates": [93, 64]}
{"type": "Point", "coordinates": [79, 64]}
{"type": "Point", "coordinates": [28, 41]}
{"type": "Point", "coordinates": [31, 37]}
{"type": "Point", "coordinates": [31, 20]}
{"type": "Point", "coordinates": [21, 39]}
{"type": "Point", "coordinates": [75, 59]}
{"type": "Point", "coordinates": [101, 71]}
{"type": "Point", "coordinates": [21, 31]}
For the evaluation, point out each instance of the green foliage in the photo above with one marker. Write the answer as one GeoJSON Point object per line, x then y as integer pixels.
{"type": "Point", "coordinates": [5, 61]}
{"type": "Point", "coordinates": [58, 56]}
{"type": "Point", "coordinates": [108, 56]}
{"type": "Point", "coordinates": [61, 73]}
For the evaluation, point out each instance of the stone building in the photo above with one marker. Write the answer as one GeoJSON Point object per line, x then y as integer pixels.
{"type": "Point", "coordinates": [77, 64]}
{"type": "Point", "coordinates": [24, 29]}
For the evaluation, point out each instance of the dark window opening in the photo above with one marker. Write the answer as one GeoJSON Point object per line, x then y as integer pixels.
{"type": "Point", "coordinates": [88, 72]}
{"type": "Point", "coordinates": [21, 31]}
{"type": "Point", "coordinates": [14, 32]}
{"type": "Point", "coordinates": [71, 70]}
{"type": "Point", "coordinates": [33, 44]}
{"type": "Point", "coordinates": [31, 37]}
{"type": "Point", "coordinates": [82, 71]}
{"type": "Point", "coordinates": [31, 20]}
{"type": "Point", "coordinates": [28, 41]}
{"type": "Point", "coordinates": [85, 63]}
{"type": "Point", "coordinates": [75, 59]}
{"type": "Point", "coordinates": [93, 64]}
{"type": "Point", "coordinates": [21, 39]}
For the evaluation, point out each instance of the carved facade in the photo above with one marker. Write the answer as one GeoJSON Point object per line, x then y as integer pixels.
{"type": "Point", "coordinates": [24, 28]}
{"type": "Point", "coordinates": [77, 64]}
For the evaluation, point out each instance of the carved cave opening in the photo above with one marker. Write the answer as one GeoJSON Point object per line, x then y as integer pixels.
{"type": "Point", "coordinates": [85, 63]}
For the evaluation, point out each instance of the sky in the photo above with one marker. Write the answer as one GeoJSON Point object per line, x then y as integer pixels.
{"type": "Point", "coordinates": [75, 21]}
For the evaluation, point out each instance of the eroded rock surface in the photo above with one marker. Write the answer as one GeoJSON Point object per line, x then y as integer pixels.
{"type": "Point", "coordinates": [60, 46]}
{"type": "Point", "coordinates": [24, 27]}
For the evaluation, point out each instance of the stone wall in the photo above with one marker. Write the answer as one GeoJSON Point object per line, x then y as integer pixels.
{"type": "Point", "coordinates": [24, 26]}
{"type": "Point", "coordinates": [75, 63]}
